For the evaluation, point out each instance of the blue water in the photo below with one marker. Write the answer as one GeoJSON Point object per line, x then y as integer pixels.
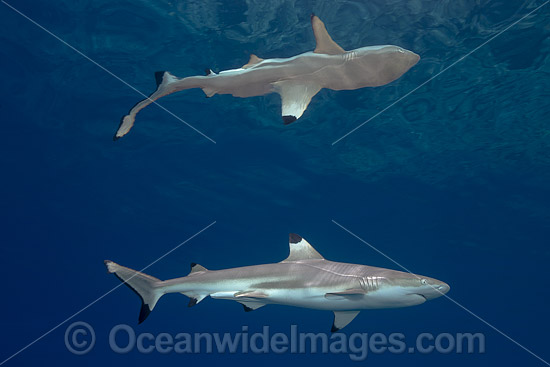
{"type": "Point", "coordinates": [452, 182]}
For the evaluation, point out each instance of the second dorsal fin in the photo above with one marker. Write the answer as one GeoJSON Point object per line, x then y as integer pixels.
{"type": "Point", "coordinates": [196, 268]}
{"type": "Point", "coordinates": [325, 44]}
{"type": "Point", "coordinates": [252, 61]}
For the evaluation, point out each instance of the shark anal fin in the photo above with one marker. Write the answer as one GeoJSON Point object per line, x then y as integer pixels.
{"type": "Point", "coordinates": [325, 44]}
{"type": "Point", "coordinates": [342, 318]}
{"type": "Point", "coordinates": [194, 298]}
{"type": "Point", "coordinates": [295, 97]}
{"type": "Point", "coordinates": [252, 61]}
{"type": "Point", "coordinates": [300, 249]}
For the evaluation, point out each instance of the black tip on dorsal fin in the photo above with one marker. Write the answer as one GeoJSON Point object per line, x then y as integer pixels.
{"type": "Point", "coordinates": [197, 268]}
{"type": "Point", "coordinates": [208, 72]}
{"type": "Point", "coordinates": [144, 312]}
{"type": "Point", "coordinates": [158, 77]}
{"type": "Point", "coordinates": [294, 238]}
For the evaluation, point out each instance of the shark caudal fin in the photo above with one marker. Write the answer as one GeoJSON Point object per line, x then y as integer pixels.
{"type": "Point", "coordinates": [145, 286]}
{"type": "Point", "coordinates": [166, 84]}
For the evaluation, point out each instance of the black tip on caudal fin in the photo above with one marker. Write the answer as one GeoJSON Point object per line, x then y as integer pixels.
{"type": "Point", "coordinates": [158, 77]}
{"type": "Point", "coordinates": [145, 286]}
{"type": "Point", "coordinates": [143, 313]}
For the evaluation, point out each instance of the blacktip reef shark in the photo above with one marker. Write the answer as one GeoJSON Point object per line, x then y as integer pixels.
{"type": "Point", "coordinates": [297, 79]}
{"type": "Point", "coordinates": [303, 279]}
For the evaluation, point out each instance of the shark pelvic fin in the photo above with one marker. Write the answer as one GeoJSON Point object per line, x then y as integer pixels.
{"type": "Point", "coordinates": [325, 44]}
{"type": "Point", "coordinates": [295, 98]}
{"type": "Point", "coordinates": [300, 249]}
{"type": "Point", "coordinates": [342, 318]}
{"type": "Point", "coordinates": [252, 61]}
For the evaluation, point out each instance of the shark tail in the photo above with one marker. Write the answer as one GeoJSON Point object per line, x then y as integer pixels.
{"type": "Point", "coordinates": [148, 288]}
{"type": "Point", "coordinates": [166, 84]}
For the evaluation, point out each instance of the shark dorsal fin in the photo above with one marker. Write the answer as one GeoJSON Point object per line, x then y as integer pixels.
{"type": "Point", "coordinates": [252, 61]}
{"type": "Point", "coordinates": [325, 44]}
{"type": "Point", "coordinates": [196, 268]}
{"type": "Point", "coordinates": [300, 249]}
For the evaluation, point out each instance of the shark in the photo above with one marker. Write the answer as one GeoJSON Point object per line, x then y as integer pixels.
{"type": "Point", "coordinates": [296, 79]}
{"type": "Point", "coordinates": [303, 279]}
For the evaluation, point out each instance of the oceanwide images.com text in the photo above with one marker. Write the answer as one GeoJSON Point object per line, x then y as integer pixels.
{"type": "Point", "coordinates": [80, 339]}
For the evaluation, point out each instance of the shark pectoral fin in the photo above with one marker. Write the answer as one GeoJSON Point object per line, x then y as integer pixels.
{"type": "Point", "coordinates": [342, 318]}
{"type": "Point", "coordinates": [251, 300]}
{"type": "Point", "coordinates": [295, 97]}
{"type": "Point", "coordinates": [349, 294]}
{"type": "Point", "coordinates": [251, 305]}
{"type": "Point", "coordinates": [325, 44]}
{"type": "Point", "coordinates": [252, 61]}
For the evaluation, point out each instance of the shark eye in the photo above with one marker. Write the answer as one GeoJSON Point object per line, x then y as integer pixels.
{"type": "Point", "coordinates": [423, 281]}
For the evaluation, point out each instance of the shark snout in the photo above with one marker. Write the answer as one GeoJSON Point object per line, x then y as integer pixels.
{"type": "Point", "coordinates": [436, 289]}
{"type": "Point", "coordinates": [443, 288]}
{"type": "Point", "coordinates": [406, 58]}
{"type": "Point", "coordinates": [412, 58]}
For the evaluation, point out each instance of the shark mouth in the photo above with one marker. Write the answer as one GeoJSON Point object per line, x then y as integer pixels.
{"type": "Point", "coordinates": [418, 294]}
{"type": "Point", "coordinates": [421, 295]}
